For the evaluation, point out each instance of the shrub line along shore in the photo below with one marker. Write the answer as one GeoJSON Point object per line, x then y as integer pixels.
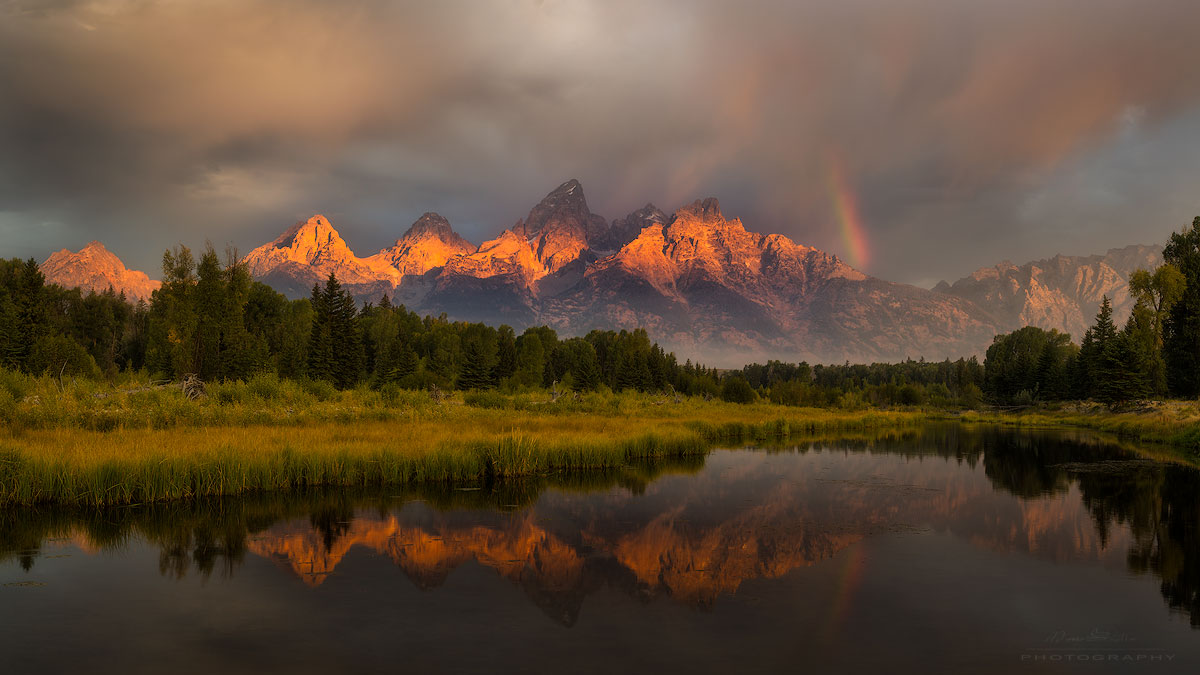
{"type": "Point", "coordinates": [93, 446]}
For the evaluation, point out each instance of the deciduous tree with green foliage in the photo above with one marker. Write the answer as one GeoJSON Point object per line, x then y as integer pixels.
{"type": "Point", "coordinates": [173, 317]}
{"type": "Point", "coordinates": [1155, 295]}
{"type": "Point", "coordinates": [1181, 327]}
{"type": "Point", "coordinates": [737, 390]}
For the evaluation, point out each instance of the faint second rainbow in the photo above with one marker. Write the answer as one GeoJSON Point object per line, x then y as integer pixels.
{"type": "Point", "coordinates": [845, 209]}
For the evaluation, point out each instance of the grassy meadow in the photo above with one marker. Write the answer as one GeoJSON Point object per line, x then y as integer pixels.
{"type": "Point", "coordinates": [89, 443]}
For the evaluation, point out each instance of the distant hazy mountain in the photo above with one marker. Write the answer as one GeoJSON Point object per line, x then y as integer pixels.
{"type": "Point", "coordinates": [95, 268]}
{"type": "Point", "coordinates": [1063, 292]}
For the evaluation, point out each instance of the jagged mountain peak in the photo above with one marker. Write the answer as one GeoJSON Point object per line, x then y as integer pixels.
{"type": "Point", "coordinates": [317, 222]}
{"type": "Point", "coordinates": [430, 224]}
{"type": "Point", "coordinates": [568, 187]}
{"type": "Point", "coordinates": [561, 227]}
{"type": "Point", "coordinates": [427, 244]}
{"type": "Point", "coordinates": [309, 251]}
{"type": "Point", "coordinates": [703, 220]}
{"type": "Point", "coordinates": [707, 210]}
{"type": "Point", "coordinates": [95, 268]}
{"type": "Point", "coordinates": [651, 211]}
{"type": "Point", "coordinates": [93, 250]}
{"type": "Point", "coordinates": [645, 216]}
{"type": "Point", "coordinates": [564, 207]}
{"type": "Point", "coordinates": [622, 231]}
{"type": "Point", "coordinates": [313, 233]}
{"type": "Point", "coordinates": [570, 192]}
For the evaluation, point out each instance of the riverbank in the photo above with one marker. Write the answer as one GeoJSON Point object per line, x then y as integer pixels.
{"type": "Point", "coordinates": [152, 445]}
{"type": "Point", "coordinates": [90, 444]}
{"type": "Point", "coordinates": [1172, 423]}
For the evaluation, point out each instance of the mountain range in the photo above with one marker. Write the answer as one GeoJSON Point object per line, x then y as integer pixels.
{"type": "Point", "coordinates": [699, 282]}
{"type": "Point", "coordinates": [1062, 292]}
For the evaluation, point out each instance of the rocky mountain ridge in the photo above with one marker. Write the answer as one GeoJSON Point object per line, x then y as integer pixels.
{"type": "Point", "coordinates": [699, 282]}
{"type": "Point", "coordinates": [95, 268]}
{"type": "Point", "coordinates": [1063, 292]}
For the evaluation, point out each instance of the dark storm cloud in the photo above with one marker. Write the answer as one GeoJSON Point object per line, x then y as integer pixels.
{"type": "Point", "coordinates": [969, 130]}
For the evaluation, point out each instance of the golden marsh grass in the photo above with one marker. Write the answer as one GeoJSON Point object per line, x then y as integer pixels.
{"type": "Point", "coordinates": [92, 444]}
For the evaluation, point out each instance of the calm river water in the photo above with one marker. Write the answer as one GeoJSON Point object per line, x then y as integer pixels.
{"type": "Point", "coordinates": [943, 550]}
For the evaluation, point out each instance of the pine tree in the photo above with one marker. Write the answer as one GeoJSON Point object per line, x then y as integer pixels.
{"type": "Point", "coordinates": [624, 367]}
{"type": "Point", "coordinates": [1105, 329]}
{"type": "Point", "coordinates": [31, 304]}
{"type": "Point", "coordinates": [1098, 344]}
{"type": "Point", "coordinates": [335, 352]}
{"type": "Point", "coordinates": [531, 361]}
{"type": "Point", "coordinates": [506, 353]}
{"type": "Point", "coordinates": [405, 363]}
{"type": "Point", "coordinates": [345, 335]}
{"type": "Point", "coordinates": [210, 313]}
{"type": "Point", "coordinates": [477, 366]}
{"type": "Point", "coordinates": [1120, 377]}
{"type": "Point", "coordinates": [657, 366]}
{"type": "Point", "coordinates": [23, 316]}
{"type": "Point", "coordinates": [1083, 381]}
{"type": "Point", "coordinates": [13, 348]}
{"type": "Point", "coordinates": [587, 367]}
{"type": "Point", "coordinates": [238, 360]}
{"type": "Point", "coordinates": [320, 341]}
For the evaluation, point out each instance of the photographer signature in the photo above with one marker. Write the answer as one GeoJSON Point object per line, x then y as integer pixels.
{"type": "Point", "coordinates": [1094, 636]}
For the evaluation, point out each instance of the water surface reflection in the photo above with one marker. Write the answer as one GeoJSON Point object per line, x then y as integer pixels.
{"type": "Point", "coordinates": [699, 532]}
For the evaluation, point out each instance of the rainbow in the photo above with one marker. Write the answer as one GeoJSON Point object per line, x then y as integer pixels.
{"type": "Point", "coordinates": [845, 209]}
{"type": "Point", "coordinates": [849, 578]}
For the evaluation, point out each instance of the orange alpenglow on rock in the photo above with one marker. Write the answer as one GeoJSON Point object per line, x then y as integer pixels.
{"type": "Point", "coordinates": [95, 268]}
{"type": "Point", "coordinates": [427, 245]}
{"type": "Point", "coordinates": [700, 283]}
{"type": "Point", "coordinates": [313, 248]}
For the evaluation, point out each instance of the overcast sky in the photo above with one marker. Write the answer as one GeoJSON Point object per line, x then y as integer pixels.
{"type": "Point", "coordinates": [970, 131]}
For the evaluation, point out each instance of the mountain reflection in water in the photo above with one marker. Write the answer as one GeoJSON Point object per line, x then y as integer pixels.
{"type": "Point", "coordinates": [691, 530]}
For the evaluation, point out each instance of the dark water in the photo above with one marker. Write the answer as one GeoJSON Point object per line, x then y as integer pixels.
{"type": "Point", "coordinates": [940, 551]}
